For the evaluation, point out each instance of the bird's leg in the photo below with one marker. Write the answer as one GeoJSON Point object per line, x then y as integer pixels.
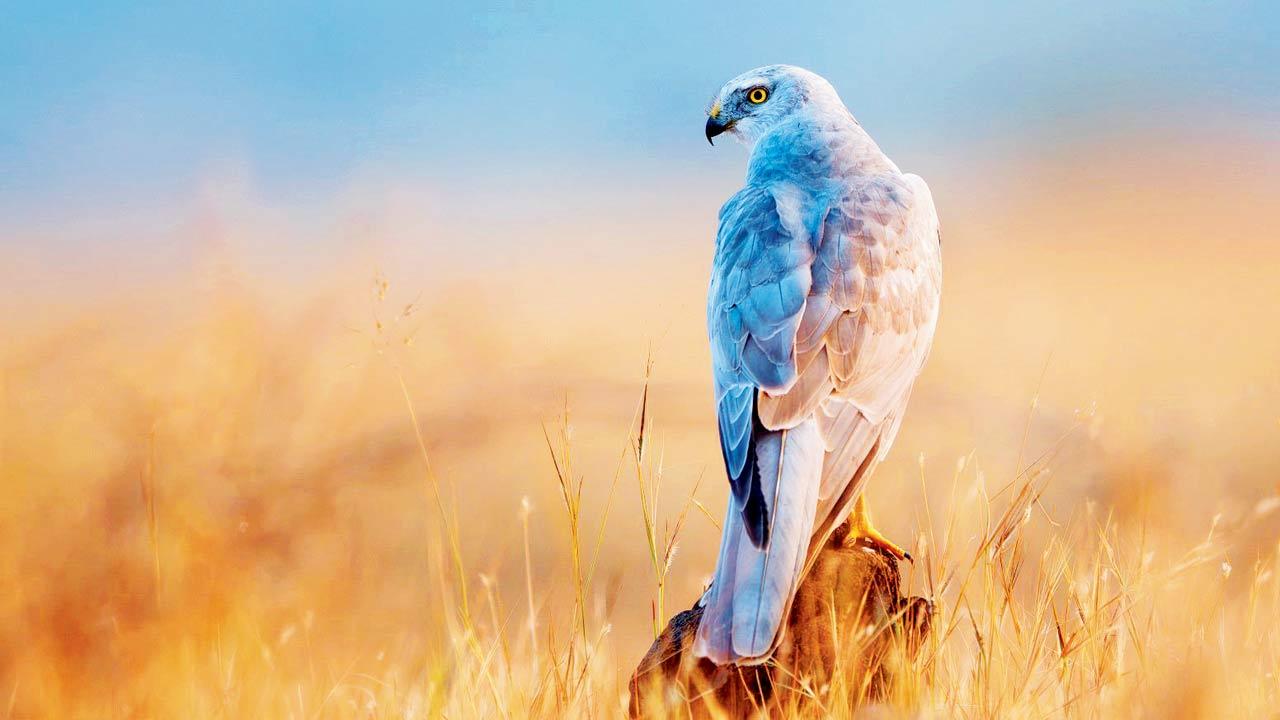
{"type": "Point", "coordinates": [861, 532]}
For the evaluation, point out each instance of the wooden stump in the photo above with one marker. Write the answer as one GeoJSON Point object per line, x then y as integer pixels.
{"type": "Point", "coordinates": [848, 617]}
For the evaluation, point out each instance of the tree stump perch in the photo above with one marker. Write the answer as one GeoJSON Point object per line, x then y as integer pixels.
{"type": "Point", "coordinates": [848, 617]}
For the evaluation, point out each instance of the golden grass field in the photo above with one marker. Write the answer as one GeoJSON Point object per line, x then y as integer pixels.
{"type": "Point", "coordinates": [378, 493]}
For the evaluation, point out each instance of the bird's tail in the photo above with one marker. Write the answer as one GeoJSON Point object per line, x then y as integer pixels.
{"type": "Point", "coordinates": [751, 593]}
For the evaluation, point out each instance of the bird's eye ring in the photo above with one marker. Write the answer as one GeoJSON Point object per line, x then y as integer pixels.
{"type": "Point", "coordinates": [757, 95]}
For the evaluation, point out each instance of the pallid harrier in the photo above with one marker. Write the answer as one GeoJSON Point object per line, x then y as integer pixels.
{"type": "Point", "coordinates": [823, 302]}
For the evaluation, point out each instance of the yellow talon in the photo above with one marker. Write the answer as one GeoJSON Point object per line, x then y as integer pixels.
{"type": "Point", "coordinates": [861, 532]}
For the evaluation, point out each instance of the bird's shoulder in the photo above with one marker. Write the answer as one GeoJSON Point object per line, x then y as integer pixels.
{"type": "Point", "coordinates": [857, 218]}
{"type": "Point", "coordinates": [879, 244]}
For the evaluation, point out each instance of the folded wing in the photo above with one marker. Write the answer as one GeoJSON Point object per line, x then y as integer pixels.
{"type": "Point", "coordinates": [820, 314]}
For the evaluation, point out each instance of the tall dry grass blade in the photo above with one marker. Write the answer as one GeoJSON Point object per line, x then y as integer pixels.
{"type": "Point", "coordinates": [450, 529]}
{"type": "Point", "coordinates": [526, 508]}
{"type": "Point", "coordinates": [147, 479]}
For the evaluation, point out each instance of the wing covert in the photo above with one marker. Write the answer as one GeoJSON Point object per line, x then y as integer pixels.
{"type": "Point", "coordinates": [759, 285]}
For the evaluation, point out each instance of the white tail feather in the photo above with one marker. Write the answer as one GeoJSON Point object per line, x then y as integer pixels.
{"type": "Point", "coordinates": [751, 594]}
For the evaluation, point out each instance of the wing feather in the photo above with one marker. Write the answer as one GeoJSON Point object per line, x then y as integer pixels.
{"type": "Point", "coordinates": [813, 384]}
{"type": "Point", "coordinates": [759, 286]}
{"type": "Point", "coordinates": [886, 282]}
{"type": "Point", "coordinates": [827, 310]}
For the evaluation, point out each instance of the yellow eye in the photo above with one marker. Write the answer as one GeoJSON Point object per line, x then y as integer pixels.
{"type": "Point", "coordinates": [757, 95]}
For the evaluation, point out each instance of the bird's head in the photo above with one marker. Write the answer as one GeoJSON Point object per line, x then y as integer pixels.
{"type": "Point", "coordinates": [755, 102]}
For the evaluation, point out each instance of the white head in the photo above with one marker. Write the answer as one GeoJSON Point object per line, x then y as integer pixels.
{"type": "Point", "coordinates": [755, 102]}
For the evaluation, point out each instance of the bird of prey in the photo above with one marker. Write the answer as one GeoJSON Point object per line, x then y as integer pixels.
{"type": "Point", "coordinates": [822, 307]}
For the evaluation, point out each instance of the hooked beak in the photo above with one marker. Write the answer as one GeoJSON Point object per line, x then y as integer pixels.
{"type": "Point", "coordinates": [715, 127]}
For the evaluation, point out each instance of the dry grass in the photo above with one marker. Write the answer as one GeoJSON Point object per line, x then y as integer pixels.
{"type": "Point", "coordinates": [366, 503]}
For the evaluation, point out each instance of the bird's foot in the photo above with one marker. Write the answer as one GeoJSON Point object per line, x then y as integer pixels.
{"type": "Point", "coordinates": [863, 533]}
{"type": "Point", "coordinates": [869, 537]}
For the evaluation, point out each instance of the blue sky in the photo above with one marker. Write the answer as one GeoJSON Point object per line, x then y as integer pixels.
{"type": "Point", "coordinates": [104, 103]}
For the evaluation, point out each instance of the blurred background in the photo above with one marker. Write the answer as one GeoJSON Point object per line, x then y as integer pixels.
{"type": "Point", "coordinates": [244, 250]}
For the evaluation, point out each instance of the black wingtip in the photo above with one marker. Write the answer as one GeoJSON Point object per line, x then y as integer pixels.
{"type": "Point", "coordinates": [755, 511]}
{"type": "Point", "coordinates": [755, 514]}
{"type": "Point", "coordinates": [747, 490]}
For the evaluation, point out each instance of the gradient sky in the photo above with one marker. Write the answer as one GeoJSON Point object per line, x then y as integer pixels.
{"type": "Point", "coordinates": [111, 103]}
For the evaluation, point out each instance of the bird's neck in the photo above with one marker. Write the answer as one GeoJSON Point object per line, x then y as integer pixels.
{"type": "Point", "coordinates": [822, 144]}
